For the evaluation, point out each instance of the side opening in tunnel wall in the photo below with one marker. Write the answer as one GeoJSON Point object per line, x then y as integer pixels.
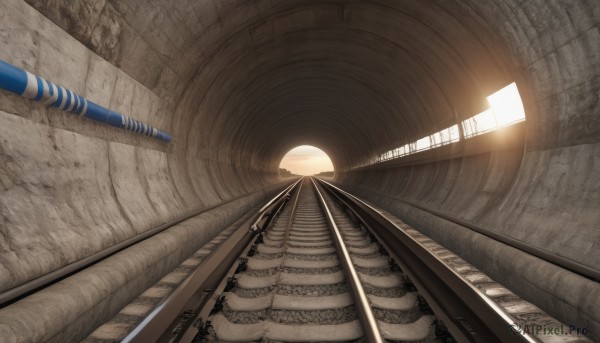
{"type": "Point", "coordinates": [306, 160]}
{"type": "Point", "coordinates": [505, 109]}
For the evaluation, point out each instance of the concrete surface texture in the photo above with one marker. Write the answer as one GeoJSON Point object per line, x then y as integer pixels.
{"type": "Point", "coordinates": [239, 83]}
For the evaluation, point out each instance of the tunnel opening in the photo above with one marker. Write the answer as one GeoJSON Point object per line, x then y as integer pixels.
{"type": "Point", "coordinates": [306, 160]}
{"type": "Point", "coordinates": [505, 108]}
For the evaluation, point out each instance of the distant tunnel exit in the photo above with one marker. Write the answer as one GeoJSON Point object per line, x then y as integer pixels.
{"type": "Point", "coordinates": [306, 160]}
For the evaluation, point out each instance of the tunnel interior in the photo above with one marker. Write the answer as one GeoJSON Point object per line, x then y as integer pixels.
{"type": "Point", "coordinates": [239, 83]}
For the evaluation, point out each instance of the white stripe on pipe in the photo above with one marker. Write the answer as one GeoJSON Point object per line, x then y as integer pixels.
{"type": "Point", "coordinates": [51, 98]}
{"type": "Point", "coordinates": [72, 103]}
{"type": "Point", "coordinates": [31, 89]}
{"type": "Point", "coordinates": [45, 91]}
{"type": "Point", "coordinates": [54, 95]}
{"type": "Point", "coordinates": [84, 111]}
{"type": "Point", "coordinates": [63, 102]}
{"type": "Point", "coordinates": [79, 103]}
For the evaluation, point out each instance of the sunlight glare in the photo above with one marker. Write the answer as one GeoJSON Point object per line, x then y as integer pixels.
{"type": "Point", "coordinates": [506, 108]}
{"type": "Point", "coordinates": [507, 105]}
{"type": "Point", "coordinates": [423, 144]}
{"type": "Point", "coordinates": [306, 160]}
{"type": "Point", "coordinates": [483, 122]}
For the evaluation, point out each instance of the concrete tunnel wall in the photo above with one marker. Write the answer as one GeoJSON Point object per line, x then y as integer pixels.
{"type": "Point", "coordinates": [239, 83]}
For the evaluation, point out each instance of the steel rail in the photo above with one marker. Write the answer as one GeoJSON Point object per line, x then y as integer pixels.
{"type": "Point", "coordinates": [14, 294]}
{"type": "Point", "coordinates": [191, 327]}
{"type": "Point", "coordinates": [469, 314]}
{"type": "Point", "coordinates": [367, 319]}
{"type": "Point", "coordinates": [198, 287]}
{"type": "Point", "coordinates": [190, 330]}
{"type": "Point", "coordinates": [278, 196]}
{"type": "Point", "coordinates": [263, 211]}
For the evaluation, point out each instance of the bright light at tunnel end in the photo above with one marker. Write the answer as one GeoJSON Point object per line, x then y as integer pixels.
{"type": "Point", "coordinates": [306, 160]}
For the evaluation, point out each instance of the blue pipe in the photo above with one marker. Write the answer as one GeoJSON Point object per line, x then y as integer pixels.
{"type": "Point", "coordinates": [27, 85]}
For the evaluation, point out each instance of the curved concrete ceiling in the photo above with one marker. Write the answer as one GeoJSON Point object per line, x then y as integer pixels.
{"type": "Point", "coordinates": [351, 78]}
{"type": "Point", "coordinates": [395, 70]}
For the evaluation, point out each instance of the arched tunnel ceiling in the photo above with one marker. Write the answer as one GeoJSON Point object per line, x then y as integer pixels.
{"type": "Point", "coordinates": [238, 83]}
{"type": "Point", "coordinates": [353, 78]}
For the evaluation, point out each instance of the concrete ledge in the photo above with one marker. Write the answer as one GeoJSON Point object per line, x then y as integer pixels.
{"type": "Point", "coordinates": [69, 310]}
{"type": "Point", "coordinates": [562, 294]}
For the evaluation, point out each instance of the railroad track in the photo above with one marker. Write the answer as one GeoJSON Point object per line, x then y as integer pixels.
{"type": "Point", "coordinates": [295, 286]}
{"type": "Point", "coordinates": [317, 264]}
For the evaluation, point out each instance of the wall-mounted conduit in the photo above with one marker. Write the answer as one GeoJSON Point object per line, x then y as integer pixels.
{"type": "Point", "coordinates": [27, 85]}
